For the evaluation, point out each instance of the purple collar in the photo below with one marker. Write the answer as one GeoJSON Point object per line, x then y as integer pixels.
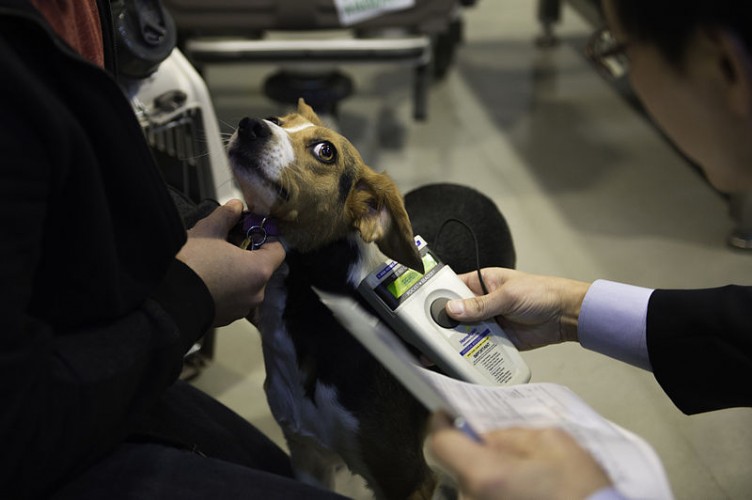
{"type": "Point", "coordinates": [257, 229]}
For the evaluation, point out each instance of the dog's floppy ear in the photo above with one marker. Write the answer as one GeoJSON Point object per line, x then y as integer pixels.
{"type": "Point", "coordinates": [377, 211]}
{"type": "Point", "coordinates": [308, 113]}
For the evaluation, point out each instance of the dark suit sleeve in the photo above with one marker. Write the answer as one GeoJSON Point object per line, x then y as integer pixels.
{"type": "Point", "coordinates": [700, 346]}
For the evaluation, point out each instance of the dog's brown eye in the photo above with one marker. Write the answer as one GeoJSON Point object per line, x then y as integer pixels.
{"type": "Point", "coordinates": [325, 151]}
{"type": "Point", "coordinates": [274, 120]}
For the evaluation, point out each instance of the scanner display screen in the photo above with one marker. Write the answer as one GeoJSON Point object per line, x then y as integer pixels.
{"type": "Point", "coordinates": [403, 281]}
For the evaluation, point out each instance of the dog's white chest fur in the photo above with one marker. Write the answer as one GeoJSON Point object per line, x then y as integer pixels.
{"type": "Point", "coordinates": [323, 422]}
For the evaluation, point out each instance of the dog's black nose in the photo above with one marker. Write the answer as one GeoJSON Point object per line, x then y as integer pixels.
{"type": "Point", "coordinates": [253, 128]}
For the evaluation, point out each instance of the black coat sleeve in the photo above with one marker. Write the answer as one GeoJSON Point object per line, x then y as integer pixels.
{"type": "Point", "coordinates": [71, 394]}
{"type": "Point", "coordinates": [95, 312]}
{"type": "Point", "coordinates": [700, 346]}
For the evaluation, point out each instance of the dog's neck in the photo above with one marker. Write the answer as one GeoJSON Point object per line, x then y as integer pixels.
{"type": "Point", "coordinates": [370, 257]}
{"type": "Point", "coordinates": [338, 267]}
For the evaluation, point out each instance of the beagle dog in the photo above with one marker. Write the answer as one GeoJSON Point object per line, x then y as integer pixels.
{"type": "Point", "coordinates": [340, 219]}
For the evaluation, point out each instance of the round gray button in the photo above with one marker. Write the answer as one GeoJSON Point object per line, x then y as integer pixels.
{"type": "Point", "coordinates": [439, 314]}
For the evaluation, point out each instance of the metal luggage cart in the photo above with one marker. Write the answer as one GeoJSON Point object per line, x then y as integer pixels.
{"type": "Point", "coordinates": [311, 42]}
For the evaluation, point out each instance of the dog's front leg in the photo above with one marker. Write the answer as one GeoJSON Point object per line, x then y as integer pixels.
{"type": "Point", "coordinates": [312, 463]}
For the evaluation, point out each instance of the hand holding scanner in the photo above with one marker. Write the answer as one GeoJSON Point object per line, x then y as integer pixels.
{"type": "Point", "coordinates": [414, 305]}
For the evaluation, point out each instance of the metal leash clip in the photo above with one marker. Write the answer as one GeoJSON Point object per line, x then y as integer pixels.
{"type": "Point", "coordinates": [255, 236]}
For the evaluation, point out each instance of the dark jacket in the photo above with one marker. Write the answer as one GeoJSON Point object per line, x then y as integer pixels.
{"type": "Point", "coordinates": [700, 346]}
{"type": "Point", "coordinates": [96, 312]}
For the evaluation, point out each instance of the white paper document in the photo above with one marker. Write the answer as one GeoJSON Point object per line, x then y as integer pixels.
{"type": "Point", "coordinates": [630, 461]}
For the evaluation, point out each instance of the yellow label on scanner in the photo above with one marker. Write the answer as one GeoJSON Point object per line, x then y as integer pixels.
{"type": "Point", "coordinates": [406, 280]}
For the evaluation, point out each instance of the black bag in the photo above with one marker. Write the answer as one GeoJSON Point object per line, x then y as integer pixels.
{"type": "Point", "coordinates": [145, 35]}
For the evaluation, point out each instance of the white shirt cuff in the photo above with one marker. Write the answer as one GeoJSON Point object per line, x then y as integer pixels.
{"type": "Point", "coordinates": [613, 322]}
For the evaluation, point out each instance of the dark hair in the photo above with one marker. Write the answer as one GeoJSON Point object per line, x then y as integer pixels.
{"type": "Point", "coordinates": [669, 24]}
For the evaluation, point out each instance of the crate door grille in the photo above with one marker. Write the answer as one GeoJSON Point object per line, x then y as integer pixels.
{"type": "Point", "coordinates": [180, 148]}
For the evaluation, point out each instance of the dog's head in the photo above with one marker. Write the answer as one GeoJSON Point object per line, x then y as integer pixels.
{"type": "Point", "coordinates": [314, 182]}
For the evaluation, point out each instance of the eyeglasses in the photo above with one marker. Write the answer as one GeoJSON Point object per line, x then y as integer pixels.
{"type": "Point", "coordinates": [607, 54]}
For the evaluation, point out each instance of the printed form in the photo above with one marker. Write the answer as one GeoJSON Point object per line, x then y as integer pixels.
{"type": "Point", "coordinates": [630, 462]}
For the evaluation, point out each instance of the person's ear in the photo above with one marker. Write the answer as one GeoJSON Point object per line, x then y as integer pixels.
{"type": "Point", "coordinates": [735, 63]}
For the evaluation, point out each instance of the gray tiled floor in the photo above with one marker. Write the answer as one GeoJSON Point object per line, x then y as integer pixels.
{"type": "Point", "coordinates": [589, 189]}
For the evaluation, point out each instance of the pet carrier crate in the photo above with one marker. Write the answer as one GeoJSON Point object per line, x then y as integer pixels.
{"type": "Point", "coordinates": [176, 114]}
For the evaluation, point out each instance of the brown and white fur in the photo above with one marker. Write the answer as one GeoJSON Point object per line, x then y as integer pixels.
{"type": "Point", "coordinates": [333, 401]}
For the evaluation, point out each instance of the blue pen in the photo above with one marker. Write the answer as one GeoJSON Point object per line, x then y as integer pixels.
{"type": "Point", "coordinates": [461, 424]}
